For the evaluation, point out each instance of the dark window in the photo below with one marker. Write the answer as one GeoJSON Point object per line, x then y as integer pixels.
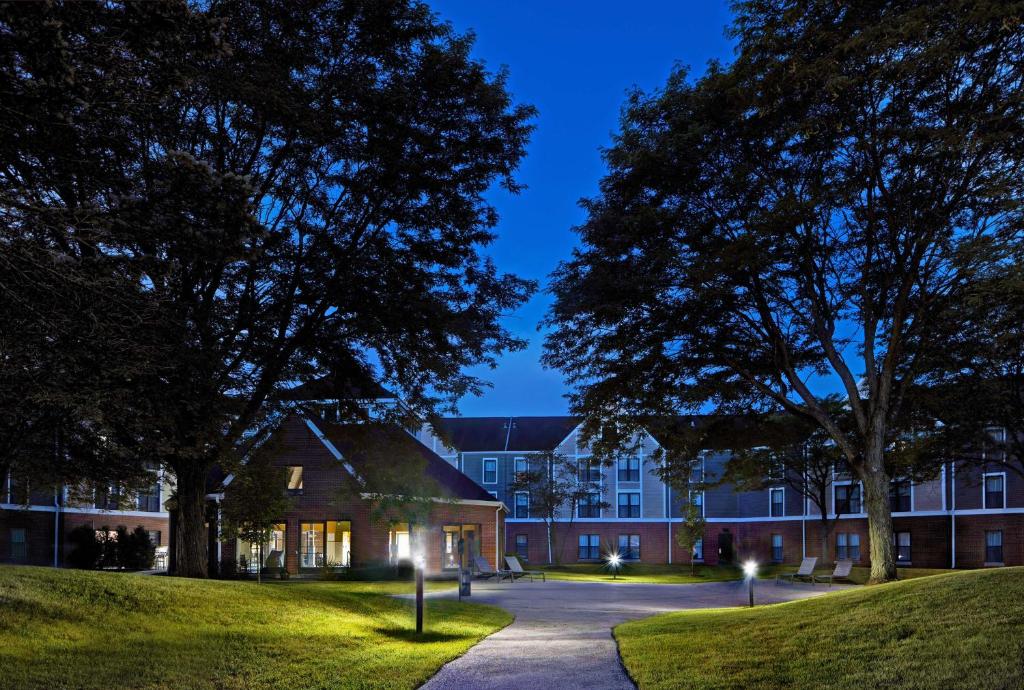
{"type": "Point", "coordinates": [994, 547]}
{"type": "Point", "coordinates": [521, 467]}
{"type": "Point", "coordinates": [522, 504]}
{"type": "Point", "coordinates": [994, 495]}
{"type": "Point", "coordinates": [590, 547]}
{"type": "Point", "coordinates": [777, 548]}
{"type": "Point", "coordinates": [154, 537]}
{"type": "Point", "coordinates": [149, 500]}
{"type": "Point", "coordinates": [108, 498]}
{"type": "Point", "coordinates": [490, 470]}
{"type": "Point", "coordinates": [778, 497]}
{"type": "Point", "coordinates": [295, 479]}
{"type": "Point", "coordinates": [19, 547]}
{"type": "Point", "coordinates": [629, 547]}
{"type": "Point", "coordinates": [899, 496]}
{"type": "Point", "coordinates": [590, 471]}
{"type": "Point", "coordinates": [698, 550]}
{"type": "Point", "coordinates": [18, 491]}
{"type": "Point", "coordinates": [847, 499]}
{"type": "Point", "coordinates": [629, 469]}
{"type": "Point", "coordinates": [629, 505]}
{"type": "Point", "coordinates": [848, 546]}
{"type": "Point", "coordinates": [522, 547]}
{"type": "Point", "coordinates": [590, 506]}
{"type": "Point", "coordinates": [901, 541]}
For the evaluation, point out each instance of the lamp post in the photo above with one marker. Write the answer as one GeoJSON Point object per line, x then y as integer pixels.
{"type": "Point", "coordinates": [420, 563]}
{"type": "Point", "coordinates": [750, 570]}
{"type": "Point", "coordinates": [614, 561]}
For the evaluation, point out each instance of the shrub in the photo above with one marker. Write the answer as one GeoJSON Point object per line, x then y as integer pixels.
{"type": "Point", "coordinates": [86, 550]}
{"type": "Point", "coordinates": [134, 549]}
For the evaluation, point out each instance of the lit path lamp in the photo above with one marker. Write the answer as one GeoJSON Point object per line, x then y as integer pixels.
{"type": "Point", "coordinates": [420, 563]}
{"type": "Point", "coordinates": [750, 570]}
{"type": "Point", "coordinates": [614, 562]}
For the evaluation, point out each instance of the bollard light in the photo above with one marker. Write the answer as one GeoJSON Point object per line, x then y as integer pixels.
{"type": "Point", "coordinates": [614, 562]}
{"type": "Point", "coordinates": [420, 563]}
{"type": "Point", "coordinates": [750, 570]}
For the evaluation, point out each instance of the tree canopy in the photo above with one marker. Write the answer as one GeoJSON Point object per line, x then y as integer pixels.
{"type": "Point", "coordinates": [806, 211]}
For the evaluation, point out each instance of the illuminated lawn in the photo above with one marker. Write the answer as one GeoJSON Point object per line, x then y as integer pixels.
{"type": "Point", "coordinates": [948, 631]}
{"type": "Point", "coordinates": [74, 629]}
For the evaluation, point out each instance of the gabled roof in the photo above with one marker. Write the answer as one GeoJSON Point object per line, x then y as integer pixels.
{"type": "Point", "coordinates": [383, 454]}
{"type": "Point", "coordinates": [495, 434]}
{"type": "Point", "coordinates": [722, 432]}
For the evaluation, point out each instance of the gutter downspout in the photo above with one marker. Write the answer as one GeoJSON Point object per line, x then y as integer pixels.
{"type": "Point", "coordinates": [57, 500]}
{"type": "Point", "coordinates": [952, 516]}
{"type": "Point", "coordinates": [497, 540]}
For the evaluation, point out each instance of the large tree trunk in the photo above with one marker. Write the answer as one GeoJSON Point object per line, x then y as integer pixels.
{"type": "Point", "coordinates": [826, 532]}
{"type": "Point", "coordinates": [191, 547]}
{"type": "Point", "coordinates": [876, 501]}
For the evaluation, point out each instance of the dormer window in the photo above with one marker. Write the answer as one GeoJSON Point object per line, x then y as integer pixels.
{"type": "Point", "coordinates": [294, 479]}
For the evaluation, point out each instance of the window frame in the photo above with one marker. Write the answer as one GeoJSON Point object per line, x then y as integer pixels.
{"type": "Point", "coordinates": [988, 553]}
{"type": "Point", "coordinates": [848, 485]}
{"type": "Point", "coordinates": [593, 546]}
{"type": "Point", "coordinates": [898, 547]}
{"type": "Point", "coordinates": [302, 479]}
{"type": "Point", "coordinates": [629, 506]}
{"type": "Point", "coordinates": [516, 465]}
{"type": "Point", "coordinates": [895, 507]}
{"type": "Point", "coordinates": [515, 505]}
{"type": "Point", "coordinates": [629, 554]}
{"type": "Point", "coordinates": [629, 470]}
{"type": "Point", "coordinates": [985, 492]}
{"type": "Point", "coordinates": [778, 552]}
{"type": "Point", "coordinates": [591, 506]}
{"type": "Point", "coordinates": [523, 554]}
{"type": "Point", "coordinates": [771, 501]}
{"type": "Point", "coordinates": [483, 470]}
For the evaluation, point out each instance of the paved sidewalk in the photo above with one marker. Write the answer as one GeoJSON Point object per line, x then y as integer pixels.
{"type": "Point", "coordinates": [562, 634]}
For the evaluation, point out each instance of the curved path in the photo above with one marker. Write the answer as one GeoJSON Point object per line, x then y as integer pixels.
{"type": "Point", "coordinates": [562, 635]}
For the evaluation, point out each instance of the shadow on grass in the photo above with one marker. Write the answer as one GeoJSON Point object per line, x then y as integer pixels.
{"type": "Point", "coordinates": [409, 635]}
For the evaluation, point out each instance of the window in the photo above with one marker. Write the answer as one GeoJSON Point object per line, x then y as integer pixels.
{"type": "Point", "coordinates": [899, 496]}
{"type": "Point", "coordinates": [521, 466]}
{"type": "Point", "coordinates": [339, 544]}
{"type": "Point", "coordinates": [590, 547]}
{"type": "Point", "coordinates": [469, 534]}
{"type": "Point", "coordinates": [848, 546]}
{"type": "Point", "coordinates": [490, 470]}
{"type": "Point", "coordinates": [494, 494]}
{"type": "Point", "coordinates": [107, 497]}
{"type": "Point", "coordinates": [994, 547]}
{"type": "Point", "coordinates": [994, 495]}
{"type": "Point", "coordinates": [629, 469]}
{"type": "Point", "coordinates": [324, 544]}
{"type": "Point", "coordinates": [590, 471]}
{"type": "Point", "coordinates": [778, 502]}
{"type": "Point", "coordinates": [19, 547]}
{"type": "Point", "coordinates": [590, 506]}
{"type": "Point", "coordinates": [311, 545]}
{"type": "Point", "coordinates": [698, 550]}
{"type": "Point", "coordinates": [295, 479]}
{"type": "Point", "coordinates": [629, 505]}
{"type": "Point", "coordinates": [901, 542]}
{"type": "Point", "coordinates": [629, 547]}
{"type": "Point", "coordinates": [399, 543]}
{"type": "Point", "coordinates": [154, 537]}
{"type": "Point", "coordinates": [777, 548]}
{"type": "Point", "coordinates": [522, 504]}
{"type": "Point", "coordinates": [522, 547]}
{"type": "Point", "coordinates": [847, 499]}
{"type": "Point", "coordinates": [697, 498]}
{"type": "Point", "coordinates": [149, 500]}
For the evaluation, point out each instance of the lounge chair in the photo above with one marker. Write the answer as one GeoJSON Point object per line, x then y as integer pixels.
{"type": "Point", "coordinates": [516, 569]}
{"type": "Point", "coordinates": [805, 571]}
{"type": "Point", "coordinates": [485, 571]}
{"type": "Point", "coordinates": [842, 572]}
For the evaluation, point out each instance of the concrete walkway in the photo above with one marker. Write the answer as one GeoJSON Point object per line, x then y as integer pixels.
{"type": "Point", "coordinates": [562, 634]}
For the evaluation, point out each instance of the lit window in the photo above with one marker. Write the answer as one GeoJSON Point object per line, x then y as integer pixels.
{"type": "Point", "coordinates": [698, 550]}
{"type": "Point", "coordinates": [295, 479]}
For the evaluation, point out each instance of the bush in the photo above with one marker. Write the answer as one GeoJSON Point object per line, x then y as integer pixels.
{"type": "Point", "coordinates": [86, 550]}
{"type": "Point", "coordinates": [134, 550]}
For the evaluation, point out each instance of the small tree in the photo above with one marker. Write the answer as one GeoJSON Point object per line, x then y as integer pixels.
{"type": "Point", "coordinates": [557, 485]}
{"type": "Point", "coordinates": [86, 550]}
{"type": "Point", "coordinates": [691, 530]}
{"type": "Point", "coordinates": [255, 503]}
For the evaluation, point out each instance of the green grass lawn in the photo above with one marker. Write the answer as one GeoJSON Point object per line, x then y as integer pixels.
{"type": "Point", "coordinates": [680, 574]}
{"type": "Point", "coordinates": [76, 629]}
{"type": "Point", "coordinates": [961, 629]}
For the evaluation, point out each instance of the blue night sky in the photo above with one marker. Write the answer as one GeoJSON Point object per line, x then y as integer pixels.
{"type": "Point", "coordinates": [574, 61]}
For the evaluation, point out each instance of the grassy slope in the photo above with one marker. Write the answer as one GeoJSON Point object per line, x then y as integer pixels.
{"type": "Point", "coordinates": [76, 629]}
{"type": "Point", "coordinates": [680, 574]}
{"type": "Point", "coordinates": [953, 630]}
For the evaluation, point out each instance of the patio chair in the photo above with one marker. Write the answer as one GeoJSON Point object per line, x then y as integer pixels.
{"type": "Point", "coordinates": [805, 571]}
{"type": "Point", "coordinates": [516, 569]}
{"type": "Point", "coordinates": [842, 572]}
{"type": "Point", "coordinates": [485, 571]}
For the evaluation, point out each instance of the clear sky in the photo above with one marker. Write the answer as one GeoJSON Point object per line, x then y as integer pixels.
{"type": "Point", "coordinates": [575, 61]}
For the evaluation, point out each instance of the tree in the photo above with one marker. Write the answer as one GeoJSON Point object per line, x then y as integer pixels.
{"type": "Point", "coordinates": [804, 212]}
{"type": "Point", "coordinates": [257, 500]}
{"type": "Point", "coordinates": [556, 485]}
{"type": "Point", "coordinates": [299, 190]}
{"type": "Point", "coordinates": [690, 531]}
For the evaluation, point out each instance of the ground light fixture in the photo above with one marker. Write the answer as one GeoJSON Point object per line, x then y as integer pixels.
{"type": "Point", "coordinates": [614, 562]}
{"type": "Point", "coordinates": [749, 571]}
{"type": "Point", "coordinates": [420, 564]}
